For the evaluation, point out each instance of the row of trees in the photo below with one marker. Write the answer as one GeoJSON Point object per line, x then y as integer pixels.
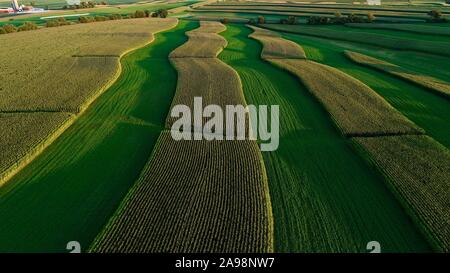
{"type": "Point", "coordinates": [436, 16]}
{"type": "Point", "coordinates": [12, 28]}
{"type": "Point", "coordinates": [340, 19]}
{"type": "Point", "coordinates": [162, 13]}
{"type": "Point", "coordinates": [85, 5]}
{"type": "Point", "coordinates": [61, 21]}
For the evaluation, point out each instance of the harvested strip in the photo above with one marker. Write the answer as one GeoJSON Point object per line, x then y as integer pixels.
{"type": "Point", "coordinates": [276, 47]}
{"type": "Point", "coordinates": [203, 42]}
{"type": "Point", "coordinates": [356, 109]}
{"type": "Point", "coordinates": [432, 30]}
{"type": "Point", "coordinates": [24, 134]}
{"type": "Point", "coordinates": [438, 48]}
{"type": "Point", "coordinates": [439, 87]}
{"type": "Point", "coordinates": [419, 170]}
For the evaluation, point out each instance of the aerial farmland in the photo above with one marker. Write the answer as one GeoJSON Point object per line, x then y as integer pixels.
{"type": "Point", "coordinates": [210, 126]}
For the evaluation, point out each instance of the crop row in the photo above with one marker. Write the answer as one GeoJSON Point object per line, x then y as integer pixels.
{"type": "Point", "coordinates": [349, 6]}
{"type": "Point", "coordinates": [24, 134]}
{"type": "Point", "coordinates": [356, 109]}
{"type": "Point", "coordinates": [62, 75]}
{"type": "Point", "coordinates": [310, 213]}
{"type": "Point", "coordinates": [299, 11]}
{"type": "Point", "coordinates": [197, 196]}
{"type": "Point", "coordinates": [439, 87]}
{"type": "Point", "coordinates": [274, 47]}
{"type": "Point", "coordinates": [194, 196]}
{"type": "Point", "coordinates": [418, 168]}
{"type": "Point", "coordinates": [203, 42]}
{"type": "Point", "coordinates": [438, 48]}
{"type": "Point", "coordinates": [57, 82]}
{"type": "Point", "coordinates": [431, 30]}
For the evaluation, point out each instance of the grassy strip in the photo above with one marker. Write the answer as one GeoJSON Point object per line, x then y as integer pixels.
{"type": "Point", "coordinates": [310, 213]}
{"type": "Point", "coordinates": [425, 109]}
{"type": "Point", "coordinates": [418, 168]}
{"type": "Point", "coordinates": [431, 30]}
{"type": "Point", "coordinates": [438, 48]}
{"type": "Point", "coordinates": [396, 34]}
{"type": "Point", "coordinates": [69, 191]}
{"type": "Point", "coordinates": [439, 87]}
{"type": "Point", "coordinates": [184, 209]}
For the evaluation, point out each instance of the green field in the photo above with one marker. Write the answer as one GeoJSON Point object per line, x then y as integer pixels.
{"type": "Point", "coordinates": [311, 214]}
{"type": "Point", "coordinates": [391, 33]}
{"type": "Point", "coordinates": [430, 30]}
{"type": "Point", "coordinates": [72, 189]}
{"type": "Point", "coordinates": [426, 109]}
{"type": "Point", "coordinates": [101, 11]}
{"type": "Point", "coordinates": [364, 147]}
{"type": "Point", "coordinates": [397, 43]}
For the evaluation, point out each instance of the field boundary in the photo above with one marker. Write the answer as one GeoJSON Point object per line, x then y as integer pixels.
{"type": "Point", "coordinates": [404, 179]}
{"type": "Point", "coordinates": [427, 82]}
{"type": "Point", "coordinates": [427, 47]}
{"type": "Point", "coordinates": [259, 226]}
{"type": "Point", "coordinates": [6, 175]}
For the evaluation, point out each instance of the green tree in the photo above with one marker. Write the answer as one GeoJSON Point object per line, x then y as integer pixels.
{"type": "Point", "coordinates": [10, 28]}
{"type": "Point", "coordinates": [435, 14]}
{"type": "Point", "coordinates": [261, 20]}
{"type": "Point", "coordinates": [52, 23]}
{"type": "Point", "coordinates": [27, 26]}
{"type": "Point", "coordinates": [139, 14]}
{"type": "Point", "coordinates": [292, 20]}
{"type": "Point", "coordinates": [163, 13]}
